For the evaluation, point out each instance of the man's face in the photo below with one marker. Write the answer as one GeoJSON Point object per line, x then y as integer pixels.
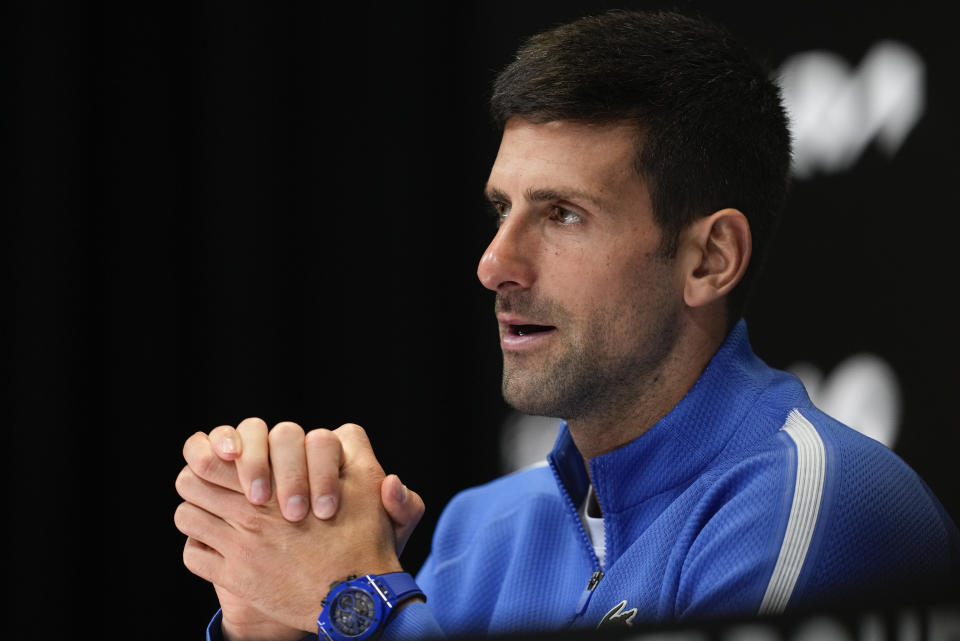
{"type": "Point", "coordinates": [587, 306]}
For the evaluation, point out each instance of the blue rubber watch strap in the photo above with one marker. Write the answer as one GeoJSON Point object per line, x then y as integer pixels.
{"type": "Point", "coordinates": [399, 586]}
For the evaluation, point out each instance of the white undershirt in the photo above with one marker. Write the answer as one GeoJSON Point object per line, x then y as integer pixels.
{"type": "Point", "coordinates": [594, 525]}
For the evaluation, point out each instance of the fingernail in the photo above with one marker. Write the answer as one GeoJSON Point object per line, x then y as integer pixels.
{"type": "Point", "coordinates": [259, 491]}
{"type": "Point", "coordinates": [325, 506]}
{"type": "Point", "coordinates": [228, 446]}
{"type": "Point", "coordinates": [297, 507]}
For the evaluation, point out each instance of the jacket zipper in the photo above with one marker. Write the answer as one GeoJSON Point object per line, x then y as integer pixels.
{"type": "Point", "coordinates": [587, 593]}
{"type": "Point", "coordinates": [597, 575]}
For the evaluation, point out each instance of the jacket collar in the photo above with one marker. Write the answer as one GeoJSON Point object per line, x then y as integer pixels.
{"type": "Point", "coordinates": [681, 444]}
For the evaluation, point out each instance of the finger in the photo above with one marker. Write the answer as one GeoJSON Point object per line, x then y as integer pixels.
{"type": "Point", "coordinates": [226, 443]}
{"type": "Point", "coordinates": [202, 526]}
{"type": "Point", "coordinates": [404, 506]}
{"type": "Point", "coordinates": [200, 457]}
{"type": "Point", "coordinates": [224, 505]}
{"type": "Point", "coordinates": [356, 445]}
{"type": "Point", "coordinates": [289, 462]}
{"type": "Point", "coordinates": [253, 466]}
{"type": "Point", "coordinates": [324, 459]}
{"type": "Point", "coordinates": [202, 559]}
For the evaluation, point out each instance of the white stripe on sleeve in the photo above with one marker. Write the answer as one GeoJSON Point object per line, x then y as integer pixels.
{"type": "Point", "coordinates": [807, 494]}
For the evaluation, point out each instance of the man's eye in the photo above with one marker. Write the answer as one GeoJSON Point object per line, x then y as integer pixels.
{"type": "Point", "coordinates": [500, 211]}
{"type": "Point", "coordinates": [565, 216]}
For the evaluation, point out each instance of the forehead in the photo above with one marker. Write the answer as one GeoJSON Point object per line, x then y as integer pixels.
{"type": "Point", "coordinates": [595, 159]}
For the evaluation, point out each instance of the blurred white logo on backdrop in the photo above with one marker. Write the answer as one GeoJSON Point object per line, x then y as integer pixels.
{"type": "Point", "coordinates": [837, 111]}
{"type": "Point", "coordinates": [863, 391]}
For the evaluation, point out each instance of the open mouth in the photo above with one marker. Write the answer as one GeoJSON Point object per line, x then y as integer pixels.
{"type": "Point", "coordinates": [525, 330]}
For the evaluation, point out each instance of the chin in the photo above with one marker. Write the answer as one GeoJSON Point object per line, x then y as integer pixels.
{"type": "Point", "coordinates": [532, 402]}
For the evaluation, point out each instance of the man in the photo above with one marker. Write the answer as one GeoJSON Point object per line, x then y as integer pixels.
{"type": "Point", "coordinates": [643, 164]}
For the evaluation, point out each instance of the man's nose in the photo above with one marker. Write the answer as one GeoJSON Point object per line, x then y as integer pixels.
{"type": "Point", "coordinates": [507, 262]}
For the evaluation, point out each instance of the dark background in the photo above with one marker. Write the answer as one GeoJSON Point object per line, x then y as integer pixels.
{"type": "Point", "coordinates": [271, 209]}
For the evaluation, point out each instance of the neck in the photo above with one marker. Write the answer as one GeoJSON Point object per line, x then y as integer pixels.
{"type": "Point", "coordinates": [650, 397]}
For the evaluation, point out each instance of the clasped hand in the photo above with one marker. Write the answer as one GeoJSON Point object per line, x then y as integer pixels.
{"type": "Point", "coordinates": [248, 494]}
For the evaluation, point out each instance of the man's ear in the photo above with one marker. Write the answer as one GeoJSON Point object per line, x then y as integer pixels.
{"type": "Point", "coordinates": [716, 252]}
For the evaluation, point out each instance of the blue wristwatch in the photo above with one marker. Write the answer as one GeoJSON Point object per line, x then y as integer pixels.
{"type": "Point", "coordinates": [359, 607]}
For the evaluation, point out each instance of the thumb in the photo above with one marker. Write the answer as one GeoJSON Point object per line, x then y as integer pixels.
{"type": "Point", "coordinates": [404, 507]}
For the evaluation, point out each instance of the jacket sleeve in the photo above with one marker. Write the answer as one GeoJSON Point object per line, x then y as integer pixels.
{"type": "Point", "coordinates": [831, 517]}
{"type": "Point", "coordinates": [415, 621]}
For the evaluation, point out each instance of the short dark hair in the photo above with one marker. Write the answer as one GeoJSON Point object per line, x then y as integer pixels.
{"type": "Point", "coordinates": [712, 130]}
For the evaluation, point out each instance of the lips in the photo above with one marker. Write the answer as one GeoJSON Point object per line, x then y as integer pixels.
{"type": "Point", "coordinates": [521, 333]}
{"type": "Point", "coordinates": [522, 325]}
{"type": "Point", "coordinates": [525, 329]}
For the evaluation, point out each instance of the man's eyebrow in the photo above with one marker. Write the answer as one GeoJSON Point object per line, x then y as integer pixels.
{"type": "Point", "coordinates": [495, 195]}
{"type": "Point", "coordinates": [544, 195]}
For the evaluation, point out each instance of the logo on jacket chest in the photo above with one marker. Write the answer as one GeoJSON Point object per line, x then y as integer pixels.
{"type": "Point", "coordinates": [618, 617]}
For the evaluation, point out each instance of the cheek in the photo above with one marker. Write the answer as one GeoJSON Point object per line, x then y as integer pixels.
{"type": "Point", "coordinates": [630, 291]}
{"type": "Point", "coordinates": [607, 284]}
{"type": "Point", "coordinates": [579, 286]}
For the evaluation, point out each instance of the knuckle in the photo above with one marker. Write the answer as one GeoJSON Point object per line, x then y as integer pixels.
{"type": "Point", "coordinates": [353, 435]}
{"type": "Point", "coordinates": [204, 464]}
{"type": "Point", "coordinates": [373, 470]}
{"type": "Point", "coordinates": [353, 427]}
{"type": "Point", "coordinates": [181, 482]}
{"type": "Point", "coordinates": [320, 437]}
{"type": "Point", "coordinates": [250, 427]}
{"type": "Point", "coordinates": [180, 516]}
{"type": "Point", "coordinates": [192, 563]}
{"type": "Point", "coordinates": [193, 559]}
{"type": "Point", "coordinates": [220, 431]}
{"type": "Point", "coordinates": [188, 557]}
{"type": "Point", "coordinates": [192, 443]}
{"type": "Point", "coordinates": [285, 430]}
{"type": "Point", "coordinates": [251, 521]}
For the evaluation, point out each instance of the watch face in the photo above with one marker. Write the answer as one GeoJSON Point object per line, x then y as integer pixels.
{"type": "Point", "coordinates": [352, 612]}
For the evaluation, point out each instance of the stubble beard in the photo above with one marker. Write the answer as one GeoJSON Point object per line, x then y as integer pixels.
{"type": "Point", "coordinates": [594, 376]}
{"type": "Point", "coordinates": [559, 387]}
